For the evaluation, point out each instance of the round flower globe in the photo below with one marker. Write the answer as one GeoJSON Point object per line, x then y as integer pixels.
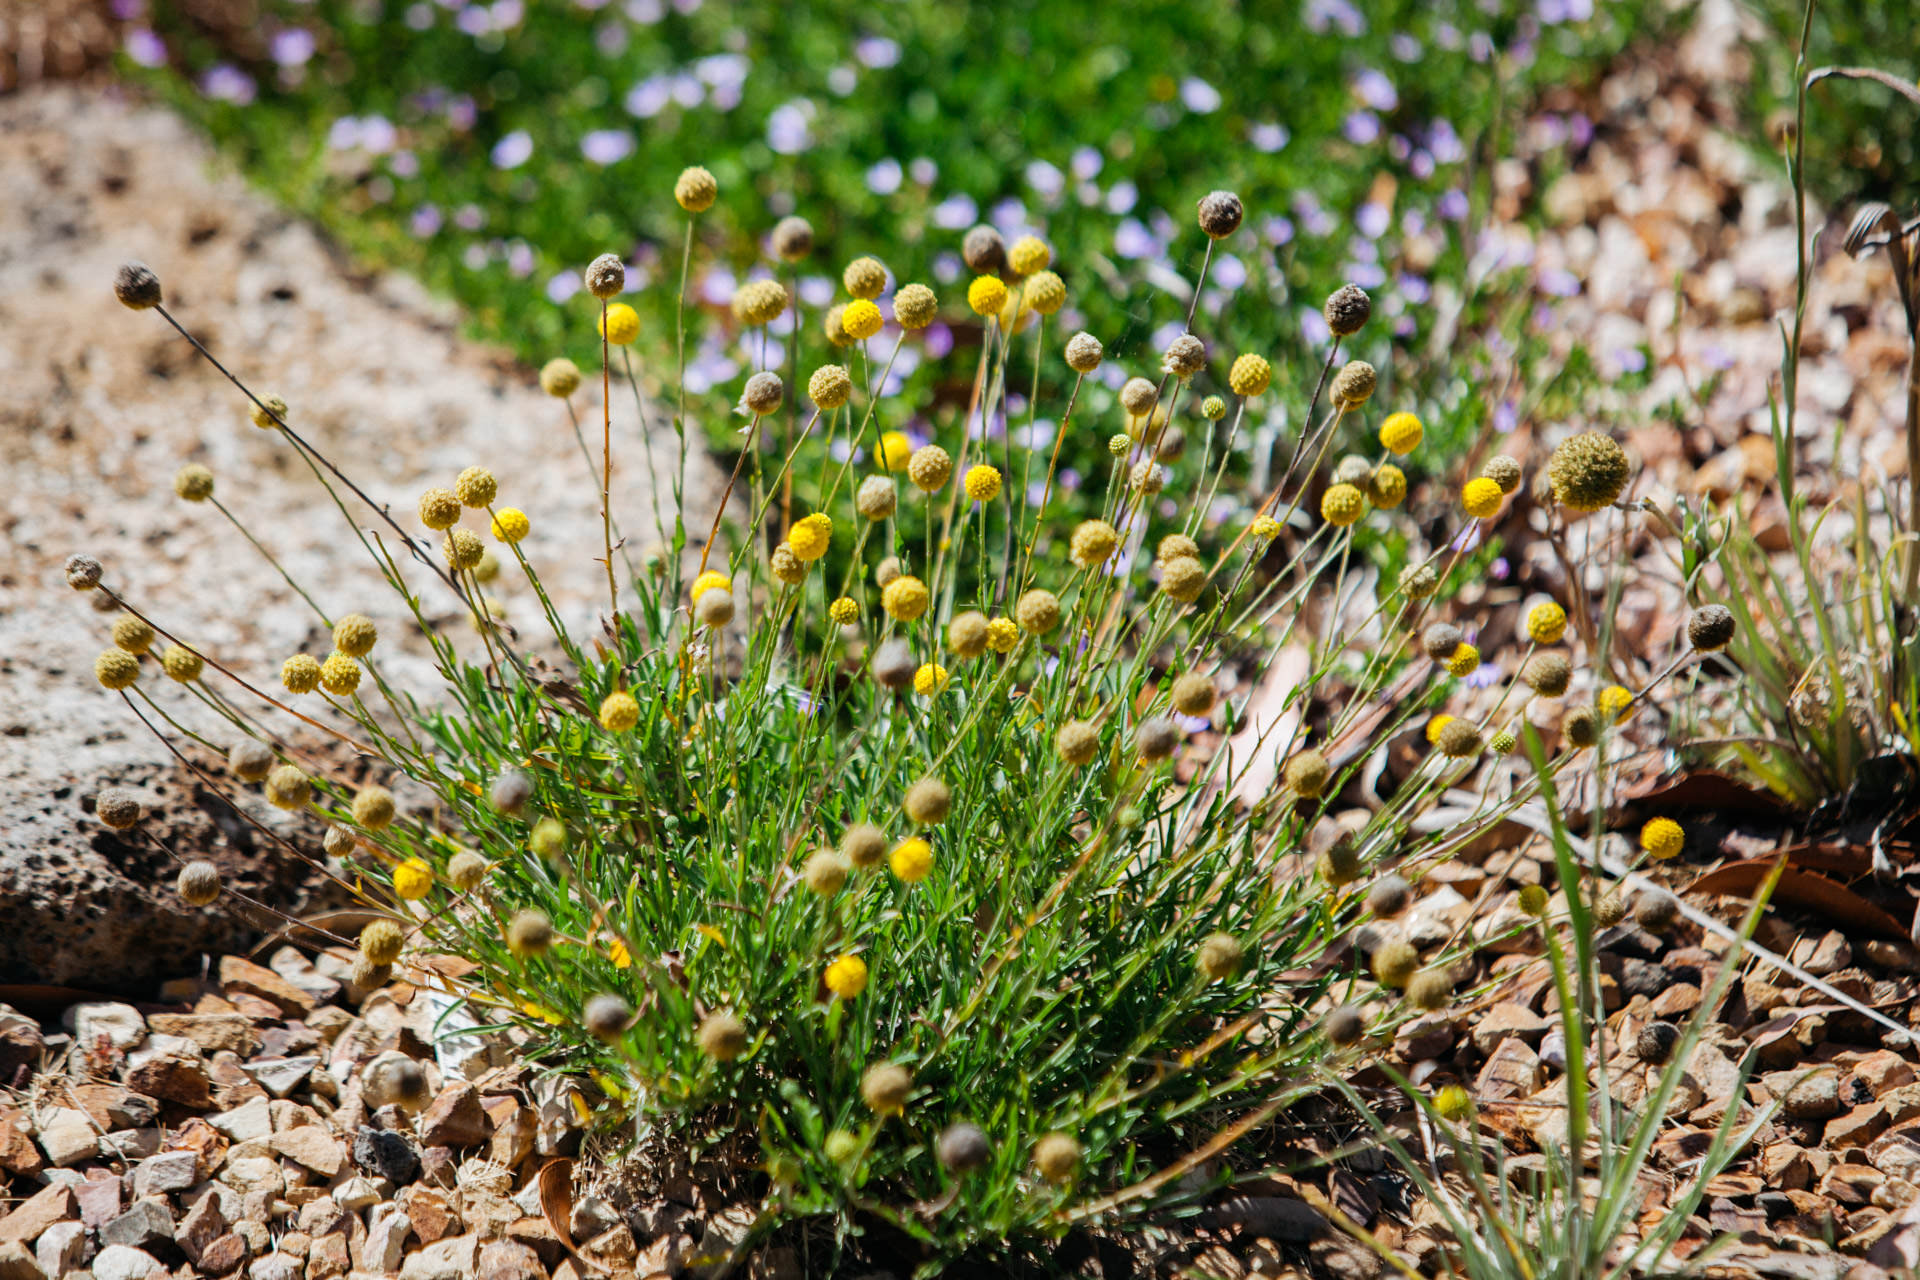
{"type": "Point", "coordinates": [982, 483]}
{"type": "Point", "coordinates": [905, 598]}
{"type": "Point", "coordinates": [1546, 623]}
{"type": "Point", "coordinates": [911, 860]}
{"type": "Point", "coordinates": [1093, 544]}
{"type": "Point", "coordinates": [560, 377]}
{"type": "Point", "coordinates": [619, 712]}
{"type": "Point", "coordinates": [861, 319]}
{"type": "Point", "coordinates": [830, 386]}
{"type": "Point", "coordinates": [1342, 505]}
{"type": "Point", "coordinates": [847, 977]}
{"type": "Point", "coordinates": [895, 450]}
{"type": "Point", "coordinates": [811, 537]}
{"type": "Point", "coordinates": [620, 324]}
{"type": "Point", "coordinates": [1401, 433]}
{"type": "Point", "coordinates": [1481, 498]}
{"type": "Point", "coordinates": [1588, 471]}
{"type": "Point", "coordinates": [1250, 375]}
{"type": "Point", "coordinates": [1662, 839]}
{"type": "Point", "coordinates": [986, 296]}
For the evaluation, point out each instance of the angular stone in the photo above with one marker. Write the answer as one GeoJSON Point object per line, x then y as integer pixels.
{"type": "Point", "coordinates": [430, 1213]}
{"type": "Point", "coordinates": [1857, 1127]}
{"type": "Point", "coordinates": [311, 1147]}
{"type": "Point", "coordinates": [128, 1144]}
{"type": "Point", "coordinates": [455, 1119]}
{"type": "Point", "coordinates": [1884, 1071]}
{"type": "Point", "coordinates": [237, 974]}
{"type": "Point", "coordinates": [1507, 1019]}
{"type": "Point", "coordinates": [121, 1262]}
{"type": "Point", "coordinates": [250, 1120]}
{"type": "Point", "coordinates": [253, 1173]}
{"type": "Point", "coordinates": [202, 1225]}
{"type": "Point", "coordinates": [386, 1240]}
{"type": "Point", "coordinates": [68, 1138]}
{"type": "Point", "coordinates": [226, 1254]}
{"type": "Point", "coordinates": [510, 1260]}
{"type": "Point", "coordinates": [16, 1263]}
{"type": "Point", "coordinates": [449, 1259]}
{"type": "Point", "coordinates": [62, 1247]}
{"type": "Point", "coordinates": [18, 1156]}
{"type": "Point", "coordinates": [612, 1250]}
{"type": "Point", "coordinates": [174, 1077]}
{"type": "Point", "coordinates": [1512, 1072]}
{"type": "Point", "coordinates": [386, 1154]}
{"type": "Point", "coordinates": [275, 1266]}
{"type": "Point", "coordinates": [281, 1076]}
{"type": "Point", "coordinates": [356, 1194]}
{"type": "Point", "coordinates": [212, 1032]}
{"type": "Point", "coordinates": [119, 1025]}
{"type": "Point", "coordinates": [166, 1173]}
{"type": "Point", "coordinates": [145, 1223]}
{"type": "Point", "coordinates": [513, 1131]}
{"type": "Point", "coordinates": [329, 1256]}
{"type": "Point", "coordinates": [1806, 1097]}
{"type": "Point", "coordinates": [100, 1200]}
{"type": "Point", "coordinates": [51, 1204]}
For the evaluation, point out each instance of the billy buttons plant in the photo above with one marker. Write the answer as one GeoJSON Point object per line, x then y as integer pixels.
{"type": "Point", "coordinates": [957, 879]}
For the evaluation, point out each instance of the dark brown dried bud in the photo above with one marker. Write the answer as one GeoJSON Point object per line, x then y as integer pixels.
{"type": "Point", "coordinates": [1441, 640]}
{"type": "Point", "coordinates": [136, 286]}
{"type": "Point", "coordinates": [1347, 310]}
{"type": "Point", "coordinates": [963, 1148]}
{"type": "Point", "coordinates": [984, 251]}
{"type": "Point", "coordinates": [1220, 213]}
{"type": "Point", "coordinates": [1389, 896]}
{"type": "Point", "coordinates": [1656, 1041]}
{"type": "Point", "coordinates": [1711, 627]}
{"type": "Point", "coordinates": [1344, 1026]}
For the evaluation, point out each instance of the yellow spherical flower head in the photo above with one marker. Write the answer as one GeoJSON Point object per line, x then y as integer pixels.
{"type": "Point", "coordinates": [412, 880]}
{"type": "Point", "coordinates": [1264, 529]}
{"type": "Point", "coordinates": [895, 450]}
{"type": "Point", "coordinates": [759, 302]}
{"type": "Point", "coordinates": [1401, 433]}
{"type": "Point", "coordinates": [830, 386]}
{"type": "Point", "coordinates": [133, 634]}
{"type": "Point", "coordinates": [845, 611]}
{"type": "Point", "coordinates": [1342, 505]}
{"type": "Point", "coordinates": [560, 377]}
{"type": "Point", "coordinates": [986, 296]}
{"type": "Point", "coordinates": [339, 675]}
{"type": "Point", "coordinates": [620, 325]}
{"type": "Point", "coordinates": [865, 278]}
{"type": "Point", "coordinates": [193, 482]}
{"type": "Point", "coordinates": [1436, 726]}
{"type": "Point", "coordinates": [1002, 635]}
{"type": "Point", "coordinates": [510, 524]}
{"type": "Point", "coordinates": [476, 487]}
{"type": "Point", "coordinates": [1453, 1104]}
{"type": "Point", "coordinates": [300, 673]}
{"type": "Point", "coordinates": [905, 598]}
{"type": "Point", "coordinates": [812, 536]}
{"type": "Point", "coordinates": [1045, 292]}
{"type": "Point", "coordinates": [439, 509]}
{"type": "Point", "coordinates": [1387, 486]}
{"type": "Point", "coordinates": [1094, 542]}
{"type": "Point", "coordinates": [695, 189]}
{"type": "Point", "coordinates": [288, 788]}
{"type": "Point", "coordinates": [707, 582]}
{"type": "Point", "coordinates": [1464, 660]}
{"type": "Point", "coordinates": [1546, 623]}
{"type": "Point", "coordinates": [1037, 611]}
{"type": "Point", "coordinates": [1589, 471]}
{"type": "Point", "coordinates": [1183, 579]}
{"type": "Point", "coordinates": [1662, 839]}
{"type": "Point", "coordinates": [847, 977]}
{"type": "Point", "coordinates": [619, 712]}
{"type": "Point", "coordinates": [930, 679]}
{"type": "Point", "coordinates": [912, 860]}
{"type": "Point", "coordinates": [182, 665]}
{"type": "Point", "coordinates": [861, 320]}
{"type": "Point", "coordinates": [463, 548]}
{"type": "Point", "coordinates": [116, 669]}
{"type": "Point", "coordinates": [1481, 498]}
{"type": "Point", "coordinates": [929, 468]}
{"type": "Point", "coordinates": [355, 635]}
{"type": "Point", "coordinates": [983, 483]}
{"type": "Point", "coordinates": [263, 414]}
{"type": "Point", "coordinates": [915, 307]}
{"type": "Point", "coordinates": [1029, 254]}
{"type": "Point", "coordinates": [1250, 375]}
{"type": "Point", "coordinates": [1614, 703]}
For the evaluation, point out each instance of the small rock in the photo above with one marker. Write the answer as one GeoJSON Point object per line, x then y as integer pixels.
{"type": "Point", "coordinates": [455, 1119]}
{"type": "Point", "coordinates": [450, 1259]}
{"type": "Point", "coordinates": [311, 1147]}
{"type": "Point", "coordinates": [62, 1247]}
{"type": "Point", "coordinates": [281, 1076]}
{"type": "Point", "coordinates": [1677, 1002]}
{"type": "Point", "coordinates": [513, 1131]}
{"type": "Point", "coordinates": [122, 1262]}
{"type": "Point", "coordinates": [166, 1173]}
{"type": "Point", "coordinates": [1857, 1127]}
{"type": "Point", "coordinates": [430, 1213]}
{"type": "Point", "coordinates": [1812, 1097]}
{"type": "Point", "coordinates": [226, 1254]}
{"type": "Point", "coordinates": [174, 1077]}
{"type": "Point", "coordinates": [1786, 1166]}
{"type": "Point", "coordinates": [120, 1025]}
{"type": "Point", "coordinates": [69, 1138]}
{"type": "Point", "coordinates": [386, 1240]}
{"type": "Point", "coordinates": [18, 1264]}
{"type": "Point", "coordinates": [1512, 1072]}
{"type": "Point", "coordinates": [145, 1223]}
{"type": "Point", "coordinates": [1883, 1071]}
{"type": "Point", "coordinates": [356, 1194]}
{"type": "Point", "coordinates": [18, 1156]}
{"type": "Point", "coordinates": [292, 964]}
{"type": "Point", "coordinates": [212, 1032]}
{"type": "Point", "coordinates": [202, 1225]}
{"type": "Point", "coordinates": [253, 1173]}
{"type": "Point", "coordinates": [51, 1204]}
{"type": "Point", "coordinates": [275, 1266]}
{"type": "Point", "coordinates": [128, 1144]}
{"type": "Point", "coordinates": [1821, 956]}
{"type": "Point", "coordinates": [1642, 978]}
{"type": "Point", "coordinates": [329, 1256]}
{"type": "Point", "coordinates": [100, 1200]}
{"type": "Point", "coordinates": [239, 974]}
{"type": "Point", "coordinates": [386, 1154]}
{"type": "Point", "coordinates": [1505, 1019]}
{"type": "Point", "coordinates": [510, 1260]}
{"type": "Point", "coordinates": [612, 1250]}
